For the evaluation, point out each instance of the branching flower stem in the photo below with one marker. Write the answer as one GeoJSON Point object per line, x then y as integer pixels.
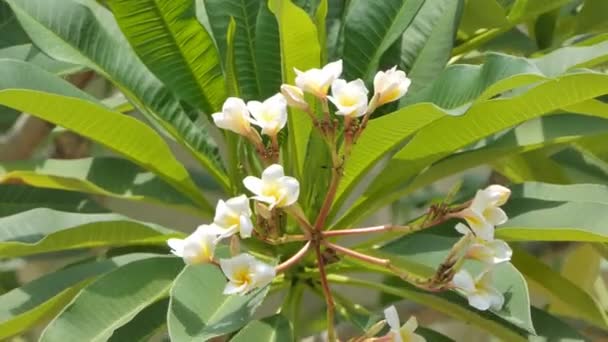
{"type": "Point", "coordinates": [331, 332]}
{"type": "Point", "coordinates": [294, 259]}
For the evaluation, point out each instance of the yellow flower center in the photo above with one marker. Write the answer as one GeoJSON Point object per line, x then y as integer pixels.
{"type": "Point", "coordinates": [242, 276]}
{"type": "Point", "coordinates": [389, 96]}
{"type": "Point", "coordinates": [203, 256]}
{"type": "Point", "coordinates": [348, 101]}
{"type": "Point", "coordinates": [272, 190]}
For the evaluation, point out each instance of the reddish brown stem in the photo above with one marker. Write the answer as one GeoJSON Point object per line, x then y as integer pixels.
{"type": "Point", "coordinates": [329, 300]}
{"type": "Point", "coordinates": [363, 257]}
{"type": "Point", "coordinates": [294, 259]}
{"type": "Point", "coordinates": [369, 230]}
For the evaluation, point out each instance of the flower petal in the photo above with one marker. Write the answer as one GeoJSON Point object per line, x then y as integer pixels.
{"type": "Point", "coordinates": [177, 246]}
{"type": "Point", "coordinates": [480, 301]}
{"type": "Point", "coordinates": [246, 227]}
{"type": "Point", "coordinates": [253, 184]}
{"type": "Point", "coordinates": [411, 325]}
{"type": "Point", "coordinates": [499, 194]}
{"type": "Point", "coordinates": [462, 228]}
{"type": "Point", "coordinates": [263, 274]}
{"type": "Point", "coordinates": [502, 251]}
{"type": "Point", "coordinates": [495, 216]}
{"type": "Point", "coordinates": [292, 190]}
{"type": "Point", "coordinates": [232, 265]}
{"type": "Point", "coordinates": [232, 288]}
{"type": "Point", "coordinates": [464, 281]}
{"type": "Point", "coordinates": [272, 173]}
{"type": "Point", "coordinates": [392, 317]}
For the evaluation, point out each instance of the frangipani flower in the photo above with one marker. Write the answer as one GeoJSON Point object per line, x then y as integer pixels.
{"type": "Point", "coordinates": [484, 212]}
{"type": "Point", "coordinates": [274, 187]}
{"type": "Point", "coordinates": [245, 273]}
{"type": "Point", "coordinates": [270, 115]}
{"type": "Point", "coordinates": [390, 85]}
{"type": "Point", "coordinates": [403, 333]}
{"type": "Point", "coordinates": [350, 98]}
{"type": "Point", "coordinates": [317, 81]}
{"type": "Point", "coordinates": [198, 247]}
{"type": "Point", "coordinates": [479, 291]}
{"type": "Point", "coordinates": [233, 117]}
{"type": "Point", "coordinates": [490, 252]}
{"type": "Point", "coordinates": [294, 96]}
{"type": "Point", "coordinates": [234, 215]}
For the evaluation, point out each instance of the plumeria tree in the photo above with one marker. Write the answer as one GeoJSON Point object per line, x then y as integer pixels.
{"type": "Point", "coordinates": [285, 129]}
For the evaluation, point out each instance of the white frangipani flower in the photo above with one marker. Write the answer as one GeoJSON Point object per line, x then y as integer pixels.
{"type": "Point", "coordinates": [489, 252]}
{"type": "Point", "coordinates": [234, 116]}
{"type": "Point", "coordinates": [294, 96]}
{"type": "Point", "coordinates": [484, 213]}
{"type": "Point", "coordinates": [274, 187]}
{"type": "Point", "coordinates": [198, 247]}
{"type": "Point", "coordinates": [400, 333]}
{"type": "Point", "coordinates": [317, 81]}
{"type": "Point", "coordinates": [479, 291]}
{"type": "Point", "coordinates": [234, 215]}
{"type": "Point", "coordinates": [270, 115]}
{"type": "Point", "coordinates": [390, 85]}
{"type": "Point", "coordinates": [245, 273]}
{"type": "Point", "coordinates": [350, 98]}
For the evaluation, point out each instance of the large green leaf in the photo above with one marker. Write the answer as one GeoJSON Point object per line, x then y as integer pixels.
{"type": "Point", "coordinates": [44, 297]}
{"type": "Point", "coordinates": [371, 27]}
{"type": "Point", "coordinates": [427, 43]}
{"type": "Point", "coordinates": [268, 52]}
{"type": "Point", "coordinates": [593, 193]}
{"type": "Point", "coordinates": [145, 325]}
{"type": "Point", "coordinates": [55, 26]}
{"type": "Point", "coordinates": [16, 198]}
{"type": "Point", "coordinates": [105, 176]}
{"type": "Point", "coordinates": [122, 134]}
{"type": "Point", "coordinates": [559, 289]}
{"type": "Point", "coordinates": [168, 38]}
{"type": "Point", "coordinates": [551, 328]}
{"type": "Point", "coordinates": [422, 253]}
{"type": "Point", "coordinates": [535, 220]}
{"type": "Point", "coordinates": [31, 54]}
{"type": "Point", "coordinates": [548, 132]}
{"type": "Point", "coordinates": [457, 86]}
{"type": "Point", "coordinates": [299, 49]}
{"type": "Point", "coordinates": [450, 133]}
{"type": "Point", "coordinates": [193, 316]}
{"type": "Point", "coordinates": [45, 230]}
{"type": "Point", "coordinates": [113, 300]}
{"type": "Point", "coordinates": [270, 329]}
{"type": "Point", "coordinates": [245, 14]}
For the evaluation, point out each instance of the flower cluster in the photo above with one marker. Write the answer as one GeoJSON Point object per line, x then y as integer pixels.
{"type": "Point", "coordinates": [233, 216]}
{"type": "Point", "coordinates": [482, 215]}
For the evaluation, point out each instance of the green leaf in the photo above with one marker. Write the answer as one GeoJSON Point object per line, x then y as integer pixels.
{"type": "Point", "coordinates": [592, 18]}
{"type": "Point", "coordinates": [270, 329]}
{"type": "Point", "coordinates": [105, 176]}
{"type": "Point", "coordinates": [482, 14]}
{"type": "Point", "coordinates": [44, 297]}
{"type": "Point", "coordinates": [55, 27]}
{"type": "Point", "coordinates": [559, 289]}
{"type": "Point", "coordinates": [113, 300]}
{"type": "Point", "coordinates": [427, 43]}
{"type": "Point", "coordinates": [195, 317]}
{"type": "Point", "coordinates": [551, 328]}
{"type": "Point", "coordinates": [45, 230]}
{"type": "Point", "coordinates": [18, 198]}
{"type": "Point", "coordinates": [245, 14]}
{"type": "Point", "coordinates": [584, 193]}
{"type": "Point", "coordinates": [31, 54]}
{"type": "Point", "coordinates": [422, 253]}
{"type": "Point", "coordinates": [531, 166]}
{"type": "Point", "coordinates": [120, 133]}
{"type": "Point", "coordinates": [147, 322]}
{"type": "Point", "coordinates": [546, 132]}
{"type": "Point", "coordinates": [450, 133]}
{"type": "Point", "coordinates": [371, 27]}
{"type": "Point", "coordinates": [534, 220]}
{"type": "Point", "coordinates": [299, 49]}
{"type": "Point", "coordinates": [268, 52]}
{"type": "Point", "coordinates": [171, 42]}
